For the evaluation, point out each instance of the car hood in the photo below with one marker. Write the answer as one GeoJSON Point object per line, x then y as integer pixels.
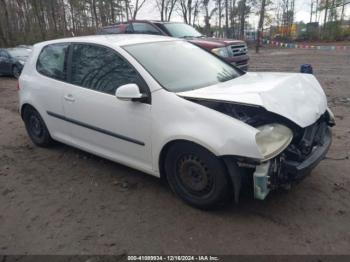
{"type": "Point", "coordinates": [215, 42]}
{"type": "Point", "coordinates": [298, 97]}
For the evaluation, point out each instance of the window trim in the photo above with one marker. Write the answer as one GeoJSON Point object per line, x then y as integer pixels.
{"type": "Point", "coordinates": [69, 70]}
{"type": "Point", "coordinates": [65, 62]}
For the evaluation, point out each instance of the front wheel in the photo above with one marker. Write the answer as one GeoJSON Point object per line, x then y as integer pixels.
{"type": "Point", "coordinates": [196, 175]}
{"type": "Point", "coordinates": [36, 128]}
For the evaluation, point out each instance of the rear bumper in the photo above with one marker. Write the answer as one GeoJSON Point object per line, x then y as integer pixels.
{"type": "Point", "coordinates": [298, 170]}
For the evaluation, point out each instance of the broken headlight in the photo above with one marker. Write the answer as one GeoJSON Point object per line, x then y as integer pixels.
{"type": "Point", "coordinates": [273, 139]}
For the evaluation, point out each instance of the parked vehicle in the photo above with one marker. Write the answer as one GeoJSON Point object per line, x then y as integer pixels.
{"type": "Point", "coordinates": [12, 60]}
{"type": "Point", "coordinates": [197, 121]}
{"type": "Point", "coordinates": [233, 51]}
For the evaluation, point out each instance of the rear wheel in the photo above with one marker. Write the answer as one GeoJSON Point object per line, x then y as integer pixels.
{"type": "Point", "coordinates": [16, 72]}
{"type": "Point", "coordinates": [36, 128]}
{"type": "Point", "coordinates": [196, 175]}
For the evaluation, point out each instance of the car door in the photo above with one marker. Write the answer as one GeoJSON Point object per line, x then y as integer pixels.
{"type": "Point", "coordinates": [5, 62]}
{"type": "Point", "coordinates": [99, 122]}
{"type": "Point", "coordinates": [47, 88]}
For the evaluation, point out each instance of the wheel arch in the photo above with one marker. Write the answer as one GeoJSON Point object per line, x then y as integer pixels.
{"type": "Point", "coordinates": [25, 106]}
{"type": "Point", "coordinates": [171, 143]}
{"type": "Point", "coordinates": [232, 170]}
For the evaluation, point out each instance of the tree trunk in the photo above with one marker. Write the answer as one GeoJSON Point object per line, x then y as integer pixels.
{"type": "Point", "coordinates": [171, 9]}
{"type": "Point", "coordinates": [325, 15]}
{"type": "Point", "coordinates": [342, 12]}
{"type": "Point", "coordinates": [261, 25]}
{"type": "Point", "coordinates": [95, 12]}
{"type": "Point", "coordinates": [127, 9]}
{"type": "Point", "coordinates": [226, 19]}
{"type": "Point", "coordinates": [7, 32]}
{"type": "Point", "coordinates": [162, 10]}
{"type": "Point", "coordinates": [112, 11]}
{"type": "Point", "coordinates": [72, 14]}
{"type": "Point", "coordinates": [243, 19]}
{"type": "Point", "coordinates": [312, 10]}
{"type": "Point", "coordinates": [189, 11]}
{"type": "Point", "coordinates": [233, 18]}
{"type": "Point", "coordinates": [220, 14]}
{"type": "Point", "coordinates": [2, 35]}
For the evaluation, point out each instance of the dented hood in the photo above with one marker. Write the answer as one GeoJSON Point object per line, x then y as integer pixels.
{"type": "Point", "coordinates": [298, 97]}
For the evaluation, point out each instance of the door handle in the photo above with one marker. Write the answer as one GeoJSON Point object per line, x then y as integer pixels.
{"type": "Point", "coordinates": [69, 98]}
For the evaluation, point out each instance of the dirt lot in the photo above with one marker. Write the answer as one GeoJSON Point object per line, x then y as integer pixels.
{"type": "Point", "coordinates": [65, 201]}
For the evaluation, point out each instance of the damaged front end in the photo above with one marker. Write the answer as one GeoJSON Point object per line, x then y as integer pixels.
{"type": "Point", "coordinates": [307, 149]}
{"type": "Point", "coordinates": [292, 159]}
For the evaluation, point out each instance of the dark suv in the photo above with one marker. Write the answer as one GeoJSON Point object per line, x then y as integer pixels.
{"type": "Point", "coordinates": [233, 51]}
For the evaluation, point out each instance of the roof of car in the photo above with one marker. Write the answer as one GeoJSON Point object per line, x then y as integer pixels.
{"type": "Point", "coordinates": [113, 39]}
{"type": "Point", "coordinates": [139, 21]}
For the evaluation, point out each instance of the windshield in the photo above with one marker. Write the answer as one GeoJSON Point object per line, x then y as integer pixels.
{"type": "Point", "coordinates": [181, 30]}
{"type": "Point", "coordinates": [181, 66]}
{"type": "Point", "coordinates": [19, 52]}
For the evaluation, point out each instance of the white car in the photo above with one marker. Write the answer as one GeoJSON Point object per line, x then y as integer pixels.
{"type": "Point", "coordinates": [171, 109]}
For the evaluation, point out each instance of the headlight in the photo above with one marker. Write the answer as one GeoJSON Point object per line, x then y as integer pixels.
{"type": "Point", "coordinates": [222, 51]}
{"type": "Point", "coordinates": [273, 139]}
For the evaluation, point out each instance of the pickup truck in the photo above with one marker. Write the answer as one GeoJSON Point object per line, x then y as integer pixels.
{"type": "Point", "coordinates": [233, 51]}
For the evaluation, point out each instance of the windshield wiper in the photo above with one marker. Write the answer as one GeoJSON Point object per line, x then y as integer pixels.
{"type": "Point", "coordinates": [192, 36]}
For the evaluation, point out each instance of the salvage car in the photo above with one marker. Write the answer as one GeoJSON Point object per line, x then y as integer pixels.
{"type": "Point", "coordinates": [12, 60]}
{"type": "Point", "coordinates": [196, 121]}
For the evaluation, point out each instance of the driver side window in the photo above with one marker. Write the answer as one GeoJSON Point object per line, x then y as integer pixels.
{"type": "Point", "coordinates": [101, 69]}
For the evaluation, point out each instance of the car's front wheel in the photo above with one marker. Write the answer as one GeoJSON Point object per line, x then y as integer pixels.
{"type": "Point", "coordinates": [196, 175]}
{"type": "Point", "coordinates": [36, 127]}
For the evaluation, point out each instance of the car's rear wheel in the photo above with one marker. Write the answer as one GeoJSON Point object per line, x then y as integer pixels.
{"type": "Point", "coordinates": [16, 72]}
{"type": "Point", "coordinates": [196, 175]}
{"type": "Point", "coordinates": [36, 128]}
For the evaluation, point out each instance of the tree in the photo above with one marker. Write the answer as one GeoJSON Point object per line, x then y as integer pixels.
{"type": "Point", "coordinates": [166, 8]}
{"type": "Point", "coordinates": [207, 17]}
{"type": "Point", "coordinates": [137, 7]}
{"type": "Point", "coordinates": [261, 25]}
{"type": "Point", "coordinates": [226, 19]}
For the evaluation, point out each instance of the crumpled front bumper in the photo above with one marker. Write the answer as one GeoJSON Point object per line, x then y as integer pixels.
{"type": "Point", "coordinates": [306, 151]}
{"type": "Point", "coordinates": [298, 170]}
{"type": "Point", "coordinates": [282, 171]}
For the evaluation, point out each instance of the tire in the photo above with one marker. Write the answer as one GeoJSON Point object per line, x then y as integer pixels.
{"type": "Point", "coordinates": [16, 72]}
{"type": "Point", "coordinates": [36, 128]}
{"type": "Point", "coordinates": [196, 175]}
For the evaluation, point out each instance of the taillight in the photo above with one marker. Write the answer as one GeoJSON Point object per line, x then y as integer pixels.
{"type": "Point", "coordinates": [18, 86]}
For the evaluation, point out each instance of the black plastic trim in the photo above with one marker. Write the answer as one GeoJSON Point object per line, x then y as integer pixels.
{"type": "Point", "coordinates": [300, 170]}
{"type": "Point", "coordinates": [97, 129]}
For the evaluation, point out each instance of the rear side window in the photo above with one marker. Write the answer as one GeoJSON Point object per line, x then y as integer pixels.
{"type": "Point", "coordinates": [52, 61]}
{"type": "Point", "coordinates": [144, 28]}
{"type": "Point", "coordinates": [110, 30]}
{"type": "Point", "coordinates": [101, 69]}
{"type": "Point", "coordinates": [4, 54]}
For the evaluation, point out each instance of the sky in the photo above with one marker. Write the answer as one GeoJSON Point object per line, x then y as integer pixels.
{"type": "Point", "coordinates": [302, 12]}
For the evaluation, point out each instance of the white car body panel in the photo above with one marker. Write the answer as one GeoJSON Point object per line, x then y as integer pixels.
{"type": "Point", "coordinates": [169, 117]}
{"type": "Point", "coordinates": [273, 91]}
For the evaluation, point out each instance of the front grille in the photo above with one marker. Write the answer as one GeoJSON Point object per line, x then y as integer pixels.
{"type": "Point", "coordinates": [310, 138]}
{"type": "Point", "coordinates": [238, 50]}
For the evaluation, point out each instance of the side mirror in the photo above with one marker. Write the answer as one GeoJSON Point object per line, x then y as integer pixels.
{"type": "Point", "coordinates": [130, 92]}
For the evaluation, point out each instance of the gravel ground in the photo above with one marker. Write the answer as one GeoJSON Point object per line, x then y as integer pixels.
{"type": "Point", "coordinates": [64, 201]}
